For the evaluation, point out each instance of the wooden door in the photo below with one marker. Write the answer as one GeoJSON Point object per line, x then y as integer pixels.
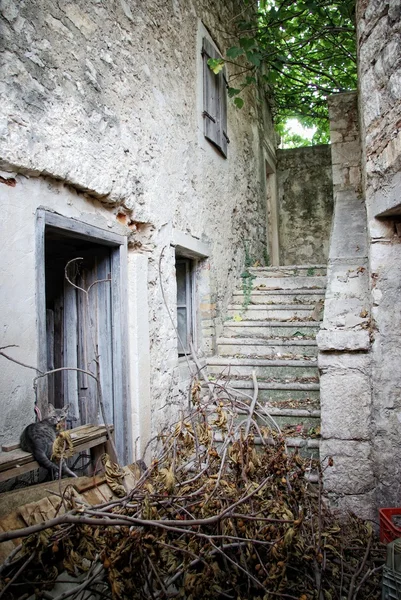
{"type": "Point", "coordinates": [79, 335]}
{"type": "Point", "coordinates": [73, 332]}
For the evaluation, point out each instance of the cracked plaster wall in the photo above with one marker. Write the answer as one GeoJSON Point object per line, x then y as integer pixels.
{"type": "Point", "coordinates": [379, 47]}
{"type": "Point", "coordinates": [305, 204]}
{"type": "Point", "coordinates": [106, 98]}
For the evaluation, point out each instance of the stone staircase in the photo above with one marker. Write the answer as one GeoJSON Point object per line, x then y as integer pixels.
{"type": "Point", "coordinates": [275, 335]}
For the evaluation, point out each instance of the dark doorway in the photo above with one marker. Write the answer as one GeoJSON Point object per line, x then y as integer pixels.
{"type": "Point", "coordinates": [80, 301]}
{"type": "Point", "coordinates": [79, 325]}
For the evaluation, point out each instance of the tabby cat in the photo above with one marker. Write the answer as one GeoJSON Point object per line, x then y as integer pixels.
{"type": "Point", "coordinates": [38, 439]}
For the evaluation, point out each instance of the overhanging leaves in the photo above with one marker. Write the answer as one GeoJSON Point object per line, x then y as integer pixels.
{"type": "Point", "coordinates": [304, 51]}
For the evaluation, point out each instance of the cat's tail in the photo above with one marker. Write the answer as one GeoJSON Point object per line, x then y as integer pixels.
{"type": "Point", "coordinates": [46, 463]}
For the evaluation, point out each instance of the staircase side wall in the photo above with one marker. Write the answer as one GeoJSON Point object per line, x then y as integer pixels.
{"type": "Point", "coordinates": [305, 202]}
{"type": "Point", "coordinates": [379, 42]}
{"type": "Point", "coordinates": [343, 341]}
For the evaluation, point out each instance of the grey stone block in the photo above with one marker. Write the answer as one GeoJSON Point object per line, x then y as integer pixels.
{"type": "Point", "coordinates": [352, 471]}
{"type": "Point", "coordinates": [345, 400]}
{"type": "Point", "coordinates": [352, 341]}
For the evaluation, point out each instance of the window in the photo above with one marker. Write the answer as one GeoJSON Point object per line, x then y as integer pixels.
{"type": "Point", "coordinates": [185, 304]}
{"type": "Point", "coordinates": [214, 100]}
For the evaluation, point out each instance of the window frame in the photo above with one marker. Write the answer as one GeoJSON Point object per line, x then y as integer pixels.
{"type": "Point", "coordinates": [190, 305]}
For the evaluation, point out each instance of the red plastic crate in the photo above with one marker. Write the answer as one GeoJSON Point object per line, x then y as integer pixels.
{"type": "Point", "coordinates": [388, 530]}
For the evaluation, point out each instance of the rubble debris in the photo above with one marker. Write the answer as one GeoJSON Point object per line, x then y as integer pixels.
{"type": "Point", "coordinates": [207, 519]}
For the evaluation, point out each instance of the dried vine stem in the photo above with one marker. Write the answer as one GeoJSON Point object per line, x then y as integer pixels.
{"type": "Point", "coordinates": [18, 362]}
{"type": "Point", "coordinates": [95, 351]}
{"type": "Point", "coordinates": [17, 574]}
{"type": "Point", "coordinates": [254, 399]}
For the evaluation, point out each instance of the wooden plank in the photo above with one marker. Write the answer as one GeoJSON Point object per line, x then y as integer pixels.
{"type": "Point", "coordinates": [210, 94]}
{"type": "Point", "coordinates": [223, 113]}
{"type": "Point", "coordinates": [91, 402]}
{"type": "Point", "coordinates": [121, 254]}
{"type": "Point", "coordinates": [84, 380]}
{"type": "Point", "coordinates": [14, 457]}
{"type": "Point", "coordinates": [87, 444]}
{"type": "Point", "coordinates": [7, 547]}
{"type": "Point", "coordinates": [120, 404]}
{"type": "Point", "coordinates": [59, 351]}
{"type": "Point", "coordinates": [9, 447]}
{"type": "Point", "coordinates": [70, 349]}
{"type": "Point", "coordinates": [85, 435]}
{"type": "Point", "coordinates": [79, 229]}
{"type": "Point", "coordinates": [41, 308]}
{"type": "Point", "coordinates": [50, 354]}
{"type": "Point", "coordinates": [104, 334]}
{"type": "Point", "coordinates": [19, 470]}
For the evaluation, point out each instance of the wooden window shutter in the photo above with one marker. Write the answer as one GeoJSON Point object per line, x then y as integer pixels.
{"type": "Point", "coordinates": [223, 113]}
{"type": "Point", "coordinates": [214, 100]}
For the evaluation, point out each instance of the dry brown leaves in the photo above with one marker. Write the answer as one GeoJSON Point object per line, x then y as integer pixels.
{"type": "Point", "coordinates": [208, 520]}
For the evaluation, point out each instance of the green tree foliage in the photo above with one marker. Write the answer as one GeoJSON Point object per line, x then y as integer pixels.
{"type": "Point", "coordinates": [305, 50]}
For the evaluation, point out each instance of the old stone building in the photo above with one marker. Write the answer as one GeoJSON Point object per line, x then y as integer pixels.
{"type": "Point", "coordinates": [118, 146]}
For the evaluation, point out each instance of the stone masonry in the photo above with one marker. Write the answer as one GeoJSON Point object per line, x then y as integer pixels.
{"type": "Point", "coordinates": [360, 342]}
{"type": "Point", "coordinates": [343, 342]}
{"type": "Point", "coordinates": [101, 121]}
{"type": "Point", "coordinates": [379, 41]}
{"type": "Point", "coordinates": [305, 204]}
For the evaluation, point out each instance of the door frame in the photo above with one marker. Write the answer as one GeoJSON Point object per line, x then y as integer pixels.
{"type": "Point", "coordinates": [74, 228]}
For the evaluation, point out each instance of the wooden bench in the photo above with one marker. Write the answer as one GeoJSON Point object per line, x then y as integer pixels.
{"type": "Point", "coordinates": [14, 461]}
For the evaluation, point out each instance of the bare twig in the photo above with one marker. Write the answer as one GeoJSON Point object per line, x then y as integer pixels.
{"type": "Point", "coordinates": [17, 574]}
{"type": "Point", "coordinates": [254, 399]}
{"type": "Point", "coordinates": [360, 569]}
{"type": "Point", "coordinates": [18, 362]}
{"type": "Point", "coordinates": [10, 557]}
{"type": "Point", "coordinates": [95, 571]}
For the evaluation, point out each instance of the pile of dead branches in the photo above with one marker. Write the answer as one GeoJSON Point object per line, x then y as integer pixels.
{"type": "Point", "coordinates": [213, 516]}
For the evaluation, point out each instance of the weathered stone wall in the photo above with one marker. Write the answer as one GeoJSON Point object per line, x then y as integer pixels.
{"type": "Point", "coordinates": [19, 279]}
{"type": "Point", "coordinates": [107, 98]}
{"type": "Point", "coordinates": [305, 204]}
{"type": "Point", "coordinates": [343, 341]}
{"type": "Point", "coordinates": [379, 42]}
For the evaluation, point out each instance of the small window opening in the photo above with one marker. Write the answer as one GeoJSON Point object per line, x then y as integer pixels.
{"type": "Point", "coordinates": [185, 304]}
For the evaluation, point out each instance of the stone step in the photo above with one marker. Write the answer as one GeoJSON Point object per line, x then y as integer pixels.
{"type": "Point", "coordinates": [289, 271]}
{"type": "Point", "coordinates": [268, 329]}
{"type": "Point", "coordinates": [262, 296]}
{"type": "Point", "coordinates": [307, 447]}
{"type": "Point", "coordinates": [283, 312]}
{"type": "Point", "coordinates": [288, 283]}
{"type": "Point", "coordinates": [276, 393]}
{"type": "Point", "coordinates": [292, 421]}
{"type": "Point", "coordinates": [265, 347]}
{"type": "Point", "coordinates": [298, 420]}
{"type": "Point", "coordinates": [265, 368]}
